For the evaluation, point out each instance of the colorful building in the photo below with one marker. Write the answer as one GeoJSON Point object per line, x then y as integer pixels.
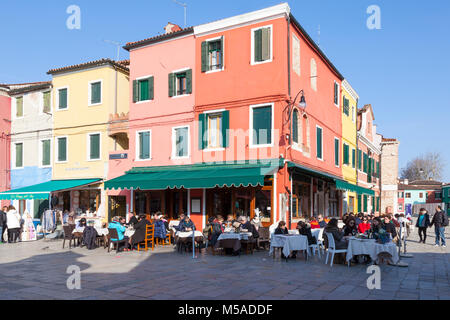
{"type": "Point", "coordinates": [5, 129]}
{"type": "Point", "coordinates": [412, 194]}
{"type": "Point", "coordinates": [446, 197]}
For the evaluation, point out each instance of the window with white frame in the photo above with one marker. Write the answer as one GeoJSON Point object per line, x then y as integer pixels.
{"type": "Point", "coordinates": [46, 102]}
{"type": "Point", "coordinates": [18, 155]}
{"type": "Point", "coordinates": [61, 145]}
{"type": "Point", "coordinates": [180, 83]}
{"type": "Point", "coordinates": [19, 107]}
{"type": "Point", "coordinates": [212, 54]}
{"type": "Point", "coordinates": [94, 148]}
{"type": "Point", "coordinates": [45, 159]}
{"type": "Point", "coordinates": [319, 143]}
{"type": "Point", "coordinates": [143, 146]}
{"type": "Point", "coordinates": [262, 44]}
{"type": "Point", "coordinates": [95, 92]}
{"type": "Point", "coordinates": [261, 125]}
{"type": "Point", "coordinates": [180, 142]}
{"type": "Point", "coordinates": [62, 98]}
{"type": "Point", "coordinates": [296, 55]}
{"type": "Point", "coordinates": [214, 130]}
{"type": "Point", "coordinates": [337, 92]}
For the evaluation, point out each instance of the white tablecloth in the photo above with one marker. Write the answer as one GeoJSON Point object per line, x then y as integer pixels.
{"type": "Point", "coordinates": [238, 236]}
{"type": "Point", "coordinates": [104, 231]}
{"type": "Point", "coordinates": [188, 234]}
{"type": "Point", "coordinates": [371, 248]}
{"type": "Point", "coordinates": [289, 243]}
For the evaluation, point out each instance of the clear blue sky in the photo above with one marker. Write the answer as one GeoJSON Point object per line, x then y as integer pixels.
{"type": "Point", "coordinates": [402, 70]}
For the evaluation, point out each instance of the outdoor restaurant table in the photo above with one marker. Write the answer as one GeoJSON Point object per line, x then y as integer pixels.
{"type": "Point", "coordinates": [104, 231]}
{"type": "Point", "coordinates": [372, 248]}
{"type": "Point", "coordinates": [232, 240]}
{"type": "Point", "coordinates": [289, 243]}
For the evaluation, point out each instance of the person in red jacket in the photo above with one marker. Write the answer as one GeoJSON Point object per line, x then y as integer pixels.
{"type": "Point", "coordinates": [314, 223]}
{"type": "Point", "coordinates": [364, 225]}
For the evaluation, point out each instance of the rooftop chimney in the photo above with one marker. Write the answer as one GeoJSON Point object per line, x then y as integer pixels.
{"type": "Point", "coordinates": [172, 28]}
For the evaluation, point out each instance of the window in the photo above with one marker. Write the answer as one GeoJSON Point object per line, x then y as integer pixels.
{"type": "Point", "coordinates": [336, 152]}
{"type": "Point", "coordinates": [336, 94]}
{"type": "Point", "coordinates": [18, 155]}
{"type": "Point", "coordinates": [180, 83]}
{"type": "Point", "coordinates": [353, 158]}
{"type": "Point", "coordinates": [421, 195]}
{"type": "Point", "coordinates": [143, 89]}
{"type": "Point", "coordinates": [19, 107]}
{"type": "Point", "coordinates": [261, 125]}
{"type": "Point", "coordinates": [95, 93]}
{"type": "Point", "coordinates": [346, 107]}
{"type": "Point", "coordinates": [212, 55]}
{"type": "Point", "coordinates": [143, 145]}
{"type": "Point", "coordinates": [313, 74]}
{"type": "Point", "coordinates": [319, 143]}
{"type": "Point", "coordinates": [295, 126]}
{"type": "Point", "coordinates": [94, 146]}
{"type": "Point", "coordinates": [296, 55]}
{"type": "Point", "coordinates": [180, 142]}
{"type": "Point", "coordinates": [46, 102]}
{"type": "Point", "coordinates": [45, 153]}
{"type": "Point", "coordinates": [62, 149]}
{"type": "Point", "coordinates": [366, 163]}
{"type": "Point", "coordinates": [353, 113]}
{"type": "Point", "coordinates": [262, 45]}
{"type": "Point", "coordinates": [408, 195]}
{"type": "Point", "coordinates": [346, 154]}
{"type": "Point", "coordinates": [359, 159]}
{"type": "Point", "coordinates": [438, 195]}
{"type": "Point", "coordinates": [213, 129]}
{"type": "Point", "coordinates": [62, 99]}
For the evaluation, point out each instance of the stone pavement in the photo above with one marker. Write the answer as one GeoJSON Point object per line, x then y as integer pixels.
{"type": "Point", "coordinates": [38, 270]}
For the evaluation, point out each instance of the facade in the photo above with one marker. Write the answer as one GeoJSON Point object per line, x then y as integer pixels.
{"type": "Point", "coordinates": [85, 98]}
{"type": "Point", "coordinates": [349, 101]}
{"type": "Point", "coordinates": [5, 129]}
{"type": "Point", "coordinates": [419, 192]}
{"type": "Point", "coordinates": [389, 176]}
{"type": "Point", "coordinates": [368, 156]}
{"type": "Point", "coordinates": [31, 141]}
{"type": "Point", "coordinates": [446, 197]}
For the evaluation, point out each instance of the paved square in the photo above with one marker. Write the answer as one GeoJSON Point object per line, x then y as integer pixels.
{"type": "Point", "coordinates": [38, 270]}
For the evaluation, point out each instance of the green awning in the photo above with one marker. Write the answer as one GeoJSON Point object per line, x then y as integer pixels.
{"type": "Point", "coordinates": [42, 191]}
{"type": "Point", "coordinates": [316, 173]}
{"type": "Point", "coordinates": [343, 185]}
{"type": "Point", "coordinates": [196, 176]}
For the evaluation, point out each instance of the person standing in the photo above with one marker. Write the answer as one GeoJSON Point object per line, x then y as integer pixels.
{"type": "Point", "coordinates": [3, 223]}
{"type": "Point", "coordinates": [13, 224]}
{"type": "Point", "coordinates": [440, 221]}
{"type": "Point", "coordinates": [423, 222]}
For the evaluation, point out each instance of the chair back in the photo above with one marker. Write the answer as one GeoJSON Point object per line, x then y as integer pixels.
{"type": "Point", "coordinates": [149, 231]}
{"type": "Point", "coordinates": [331, 243]}
{"type": "Point", "coordinates": [264, 233]}
{"type": "Point", "coordinates": [68, 231]}
{"type": "Point", "coordinates": [113, 234]}
{"type": "Point", "coordinates": [320, 235]}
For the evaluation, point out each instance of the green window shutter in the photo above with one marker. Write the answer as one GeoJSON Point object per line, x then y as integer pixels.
{"type": "Point", "coordinates": [373, 204]}
{"type": "Point", "coordinates": [144, 145]}
{"type": "Point", "coordinates": [144, 90]}
{"type": "Point", "coordinates": [262, 125]}
{"type": "Point", "coordinates": [19, 155]}
{"type": "Point", "coordinates": [346, 154]}
{"type": "Point", "coordinates": [94, 146]}
{"type": "Point", "coordinates": [171, 84]}
{"type": "Point", "coordinates": [359, 203]}
{"type": "Point", "coordinates": [365, 203]}
{"type": "Point", "coordinates": [369, 170]}
{"type": "Point", "coordinates": [258, 45]}
{"type": "Point", "coordinates": [135, 91]}
{"type": "Point", "coordinates": [378, 170]}
{"type": "Point", "coordinates": [19, 107]}
{"type": "Point", "coordinates": [46, 152]}
{"type": "Point", "coordinates": [378, 203]}
{"type": "Point", "coordinates": [151, 88]}
{"type": "Point", "coordinates": [365, 163]}
{"type": "Point", "coordinates": [201, 131]}
{"type": "Point", "coordinates": [336, 93]}
{"type": "Point", "coordinates": [225, 128]}
{"type": "Point", "coordinates": [359, 159]}
{"type": "Point", "coordinates": [205, 60]}
{"type": "Point", "coordinates": [222, 63]}
{"type": "Point", "coordinates": [319, 142]}
{"type": "Point", "coordinates": [181, 141]}
{"type": "Point", "coordinates": [62, 149]}
{"type": "Point", "coordinates": [47, 99]}
{"type": "Point", "coordinates": [63, 99]}
{"type": "Point", "coordinates": [265, 44]}
{"type": "Point", "coordinates": [353, 158]}
{"type": "Point", "coordinates": [336, 152]}
{"type": "Point", "coordinates": [96, 93]}
{"type": "Point", "coordinates": [295, 126]}
{"type": "Point", "coordinates": [189, 81]}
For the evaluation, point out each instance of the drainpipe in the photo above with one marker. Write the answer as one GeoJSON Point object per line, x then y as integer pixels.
{"type": "Point", "coordinates": [288, 20]}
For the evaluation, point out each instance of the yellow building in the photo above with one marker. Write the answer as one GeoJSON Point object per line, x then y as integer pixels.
{"type": "Point", "coordinates": [349, 102]}
{"type": "Point", "coordinates": [84, 97]}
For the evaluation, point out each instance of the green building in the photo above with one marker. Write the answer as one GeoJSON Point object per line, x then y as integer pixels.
{"type": "Point", "coordinates": [446, 197]}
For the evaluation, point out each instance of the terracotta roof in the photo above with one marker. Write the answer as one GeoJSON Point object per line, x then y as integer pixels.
{"type": "Point", "coordinates": [425, 183]}
{"type": "Point", "coordinates": [105, 61]}
{"type": "Point", "coordinates": [388, 140]}
{"type": "Point", "coordinates": [30, 87]}
{"type": "Point", "coordinates": [402, 186]}
{"type": "Point", "coordinates": [141, 43]}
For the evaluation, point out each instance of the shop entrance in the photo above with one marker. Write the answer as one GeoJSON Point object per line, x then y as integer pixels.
{"type": "Point", "coordinates": [117, 206]}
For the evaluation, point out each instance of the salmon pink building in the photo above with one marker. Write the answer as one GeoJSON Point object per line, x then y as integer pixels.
{"type": "Point", "coordinates": [5, 140]}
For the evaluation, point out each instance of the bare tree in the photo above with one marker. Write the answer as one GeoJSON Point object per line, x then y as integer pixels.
{"type": "Point", "coordinates": [424, 167]}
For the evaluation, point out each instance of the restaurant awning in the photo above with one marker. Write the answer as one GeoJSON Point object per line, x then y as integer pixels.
{"type": "Point", "coordinates": [42, 191]}
{"type": "Point", "coordinates": [196, 176]}
{"type": "Point", "coordinates": [343, 185]}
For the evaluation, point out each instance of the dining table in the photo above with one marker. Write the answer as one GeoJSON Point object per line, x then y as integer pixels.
{"type": "Point", "coordinates": [371, 248]}
{"type": "Point", "coordinates": [289, 243]}
{"type": "Point", "coordinates": [232, 240]}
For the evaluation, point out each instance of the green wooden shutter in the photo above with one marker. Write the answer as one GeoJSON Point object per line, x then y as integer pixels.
{"type": "Point", "coordinates": [135, 91]}
{"type": "Point", "coordinates": [96, 93]}
{"type": "Point", "coordinates": [373, 204]}
{"type": "Point", "coordinates": [201, 131]}
{"type": "Point", "coordinates": [369, 170]}
{"type": "Point", "coordinates": [319, 142]}
{"type": "Point", "coordinates": [265, 44]}
{"type": "Point", "coordinates": [262, 125]}
{"type": "Point", "coordinates": [171, 84]}
{"type": "Point", "coordinates": [295, 126]}
{"type": "Point", "coordinates": [359, 159]}
{"type": "Point", "coordinates": [63, 99]}
{"type": "Point", "coordinates": [258, 45]}
{"type": "Point", "coordinates": [353, 158]}
{"type": "Point", "coordinates": [378, 170]}
{"type": "Point", "coordinates": [62, 149]}
{"type": "Point", "coordinates": [189, 81]}
{"type": "Point", "coordinates": [19, 155]}
{"type": "Point", "coordinates": [365, 203]}
{"type": "Point", "coordinates": [346, 154]}
{"type": "Point", "coordinates": [47, 101]}
{"type": "Point", "coordinates": [94, 146]}
{"type": "Point", "coordinates": [205, 60]}
{"type": "Point", "coordinates": [151, 88]}
{"type": "Point", "coordinates": [181, 140]}
{"type": "Point", "coordinates": [19, 107]}
{"type": "Point", "coordinates": [336, 152]}
{"type": "Point", "coordinates": [222, 63]}
{"type": "Point", "coordinates": [359, 203]}
{"type": "Point", "coordinates": [46, 152]}
{"type": "Point", "coordinates": [144, 90]}
{"type": "Point", "coordinates": [225, 128]}
{"type": "Point", "coordinates": [144, 145]}
{"type": "Point", "coordinates": [365, 163]}
{"type": "Point", "coordinates": [336, 100]}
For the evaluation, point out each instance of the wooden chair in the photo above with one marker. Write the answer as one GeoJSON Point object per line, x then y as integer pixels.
{"type": "Point", "coordinates": [264, 237]}
{"type": "Point", "coordinates": [68, 235]}
{"type": "Point", "coordinates": [165, 242]}
{"type": "Point", "coordinates": [149, 237]}
{"type": "Point", "coordinates": [248, 245]}
{"type": "Point", "coordinates": [112, 234]}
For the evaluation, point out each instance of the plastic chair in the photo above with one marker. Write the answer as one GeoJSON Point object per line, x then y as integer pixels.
{"type": "Point", "coordinates": [320, 240]}
{"type": "Point", "coordinates": [332, 249]}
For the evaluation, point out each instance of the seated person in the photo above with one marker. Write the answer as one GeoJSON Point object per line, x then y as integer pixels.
{"type": "Point", "coordinates": [140, 230]}
{"type": "Point", "coordinates": [180, 218]}
{"type": "Point", "coordinates": [321, 221]}
{"type": "Point", "coordinates": [358, 219]}
{"type": "Point", "coordinates": [338, 236]}
{"type": "Point", "coordinates": [118, 223]}
{"type": "Point", "coordinates": [281, 228]}
{"type": "Point", "coordinates": [305, 230]}
{"type": "Point", "coordinates": [230, 220]}
{"type": "Point", "coordinates": [218, 228]}
{"type": "Point", "coordinates": [375, 227]}
{"type": "Point", "coordinates": [314, 223]}
{"type": "Point", "coordinates": [81, 224]}
{"type": "Point", "coordinates": [247, 225]}
{"type": "Point", "coordinates": [160, 228]}
{"type": "Point", "coordinates": [389, 226]}
{"type": "Point", "coordinates": [186, 225]}
{"type": "Point", "coordinates": [350, 228]}
{"type": "Point", "coordinates": [133, 219]}
{"type": "Point", "coordinates": [364, 225]}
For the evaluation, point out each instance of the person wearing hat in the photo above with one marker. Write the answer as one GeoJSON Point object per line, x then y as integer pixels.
{"type": "Point", "coordinates": [423, 222]}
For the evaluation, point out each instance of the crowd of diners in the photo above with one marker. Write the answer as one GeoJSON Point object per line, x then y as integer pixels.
{"type": "Point", "coordinates": [354, 224]}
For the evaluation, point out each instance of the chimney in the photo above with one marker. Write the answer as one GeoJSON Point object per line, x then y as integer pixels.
{"type": "Point", "coordinates": [406, 181]}
{"type": "Point", "coordinates": [172, 28]}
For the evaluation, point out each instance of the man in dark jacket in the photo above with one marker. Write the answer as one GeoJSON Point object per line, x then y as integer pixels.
{"type": "Point", "coordinates": [3, 222]}
{"type": "Point", "coordinates": [423, 222]}
{"type": "Point", "coordinates": [440, 221]}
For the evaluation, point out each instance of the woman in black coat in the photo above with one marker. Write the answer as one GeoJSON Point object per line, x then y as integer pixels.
{"type": "Point", "coordinates": [305, 230]}
{"type": "Point", "coordinates": [140, 229]}
{"type": "Point", "coordinates": [423, 222]}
